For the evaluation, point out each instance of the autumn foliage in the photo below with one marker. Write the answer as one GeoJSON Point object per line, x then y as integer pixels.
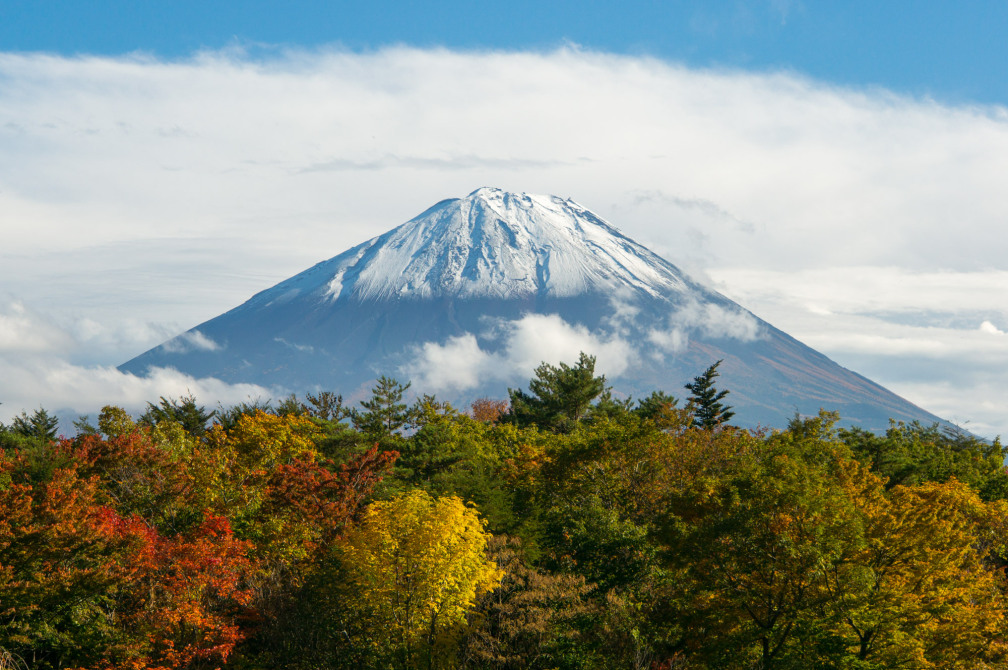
{"type": "Point", "coordinates": [317, 536]}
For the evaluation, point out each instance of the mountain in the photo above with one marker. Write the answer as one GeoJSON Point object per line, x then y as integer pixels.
{"type": "Point", "coordinates": [469, 296]}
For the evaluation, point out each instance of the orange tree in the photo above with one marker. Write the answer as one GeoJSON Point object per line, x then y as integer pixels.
{"type": "Point", "coordinates": [80, 585]}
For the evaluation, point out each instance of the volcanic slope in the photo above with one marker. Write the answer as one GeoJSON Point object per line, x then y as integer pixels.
{"type": "Point", "coordinates": [470, 295]}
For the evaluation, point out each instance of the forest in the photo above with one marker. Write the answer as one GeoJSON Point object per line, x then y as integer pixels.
{"type": "Point", "coordinates": [558, 528]}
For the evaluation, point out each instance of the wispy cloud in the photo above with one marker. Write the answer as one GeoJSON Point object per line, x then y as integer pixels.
{"type": "Point", "coordinates": [24, 331]}
{"type": "Point", "coordinates": [426, 163]}
{"type": "Point", "coordinates": [192, 340]}
{"type": "Point", "coordinates": [707, 319]}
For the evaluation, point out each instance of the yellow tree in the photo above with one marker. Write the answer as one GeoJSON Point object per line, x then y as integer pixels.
{"type": "Point", "coordinates": [921, 592]}
{"type": "Point", "coordinates": [417, 565]}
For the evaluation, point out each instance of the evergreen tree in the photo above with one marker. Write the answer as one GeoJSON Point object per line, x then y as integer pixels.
{"type": "Point", "coordinates": [83, 426]}
{"type": "Point", "coordinates": [558, 397]}
{"type": "Point", "coordinates": [655, 404]}
{"type": "Point", "coordinates": [228, 418]}
{"type": "Point", "coordinates": [327, 406]}
{"type": "Point", "coordinates": [40, 425]}
{"type": "Point", "coordinates": [385, 413]}
{"type": "Point", "coordinates": [291, 405]}
{"type": "Point", "coordinates": [705, 400]}
{"type": "Point", "coordinates": [610, 408]}
{"type": "Point", "coordinates": [185, 411]}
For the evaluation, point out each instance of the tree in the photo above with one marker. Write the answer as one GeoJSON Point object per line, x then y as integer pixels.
{"type": "Point", "coordinates": [83, 586]}
{"type": "Point", "coordinates": [921, 590]}
{"type": "Point", "coordinates": [914, 453]}
{"type": "Point", "coordinates": [709, 411]}
{"type": "Point", "coordinates": [327, 406]}
{"type": "Point", "coordinates": [185, 411]}
{"type": "Point", "coordinates": [610, 408]}
{"type": "Point", "coordinates": [759, 556]}
{"type": "Point", "coordinates": [229, 417]}
{"type": "Point", "coordinates": [530, 621]}
{"type": "Point", "coordinates": [657, 407]}
{"type": "Point", "coordinates": [115, 421]}
{"type": "Point", "coordinates": [488, 410]}
{"type": "Point", "coordinates": [40, 425]}
{"type": "Point", "coordinates": [417, 565]}
{"type": "Point", "coordinates": [385, 412]}
{"type": "Point", "coordinates": [558, 397]}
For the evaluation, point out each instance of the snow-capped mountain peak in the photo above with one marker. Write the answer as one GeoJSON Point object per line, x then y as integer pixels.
{"type": "Point", "coordinates": [491, 244]}
{"type": "Point", "coordinates": [473, 293]}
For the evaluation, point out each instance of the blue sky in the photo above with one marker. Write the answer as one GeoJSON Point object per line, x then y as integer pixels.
{"type": "Point", "coordinates": [838, 168]}
{"type": "Point", "coordinates": [951, 51]}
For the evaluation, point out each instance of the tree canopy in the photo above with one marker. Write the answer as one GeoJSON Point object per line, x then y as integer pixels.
{"type": "Point", "coordinates": [558, 396]}
{"type": "Point", "coordinates": [581, 532]}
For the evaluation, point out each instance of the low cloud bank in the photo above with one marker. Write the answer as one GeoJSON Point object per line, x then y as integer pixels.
{"type": "Point", "coordinates": [68, 389]}
{"type": "Point", "coordinates": [460, 364]}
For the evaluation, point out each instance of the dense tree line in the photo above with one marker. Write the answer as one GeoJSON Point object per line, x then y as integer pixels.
{"type": "Point", "coordinates": [563, 528]}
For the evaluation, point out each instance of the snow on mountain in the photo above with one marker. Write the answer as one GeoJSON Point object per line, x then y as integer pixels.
{"type": "Point", "coordinates": [490, 244]}
{"type": "Point", "coordinates": [470, 295]}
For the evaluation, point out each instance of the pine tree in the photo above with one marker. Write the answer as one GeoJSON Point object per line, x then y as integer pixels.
{"type": "Point", "coordinates": [40, 425]}
{"type": "Point", "coordinates": [705, 399]}
{"type": "Point", "coordinates": [655, 405]}
{"type": "Point", "coordinates": [327, 406]}
{"type": "Point", "coordinates": [192, 416]}
{"type": "Point", "coordinates": [385, 412]}
{"type": "Point", "coordinates": [558, 397]}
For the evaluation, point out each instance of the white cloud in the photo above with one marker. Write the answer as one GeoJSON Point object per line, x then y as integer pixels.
{"type": "Point", "coordinates": [857, 289]}
{"type": "Point", "coordinates": [711, 320]}
{"type": "Point", "coordinates": [461, 364]}
{"type": "Point", "coordinates": [672, 341]}
{"type": "Point", "coordinates": [717, 321]}
{"type": "Point", "coordinates": [142, 197]}
{"type": "Point", "coordinates": [298, 347]}
{"type": "Point", "coordinates": [990, 329]}
{"type": "Point", "coordinates": [37, 367]}
{"type": "Point", "coordinates": [983, 413]}
{"type": "Point", "coordinates": [457, 365]}
{"type": "Point", "coordinates": [547, 337]}
{"type": "Point", "coordinates": [192, 340]}
{"type": "Point", "coordinates": [66, 388]}
{"type": "Point", "coordinates": [24, 331]}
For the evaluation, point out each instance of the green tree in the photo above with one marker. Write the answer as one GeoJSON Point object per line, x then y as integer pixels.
{"type": "Point", "coordinates": [912, 453]}
{"type": "Point", "coordinates": [291, 405]}
{"type": "Point", "coordinates": [228, 418]}
{"type": "Point", "coordinates": [327, 406]}
{"type": "Point", "coordinates": [558, 397]}
{"type": "Point", "coordinates": [709, 411]}
{"type": "Point", "coordinates": [759, 556]}
{"type": "Point", "coordinates": [384, 412]}
{"type": "Point", "coordinates": [185, 410]}
{"type": "Point", "coordinates": [533, 620]}
{"type": "Point", "coordinates": [40, 425]}
{"type": "Point", "coordinates": [921, 590]}
{"type": "Point", "coordinates": [656, 406]}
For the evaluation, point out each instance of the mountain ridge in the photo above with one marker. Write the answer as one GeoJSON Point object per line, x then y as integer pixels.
{"type": "Point", "coordinates": [493, 280]}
